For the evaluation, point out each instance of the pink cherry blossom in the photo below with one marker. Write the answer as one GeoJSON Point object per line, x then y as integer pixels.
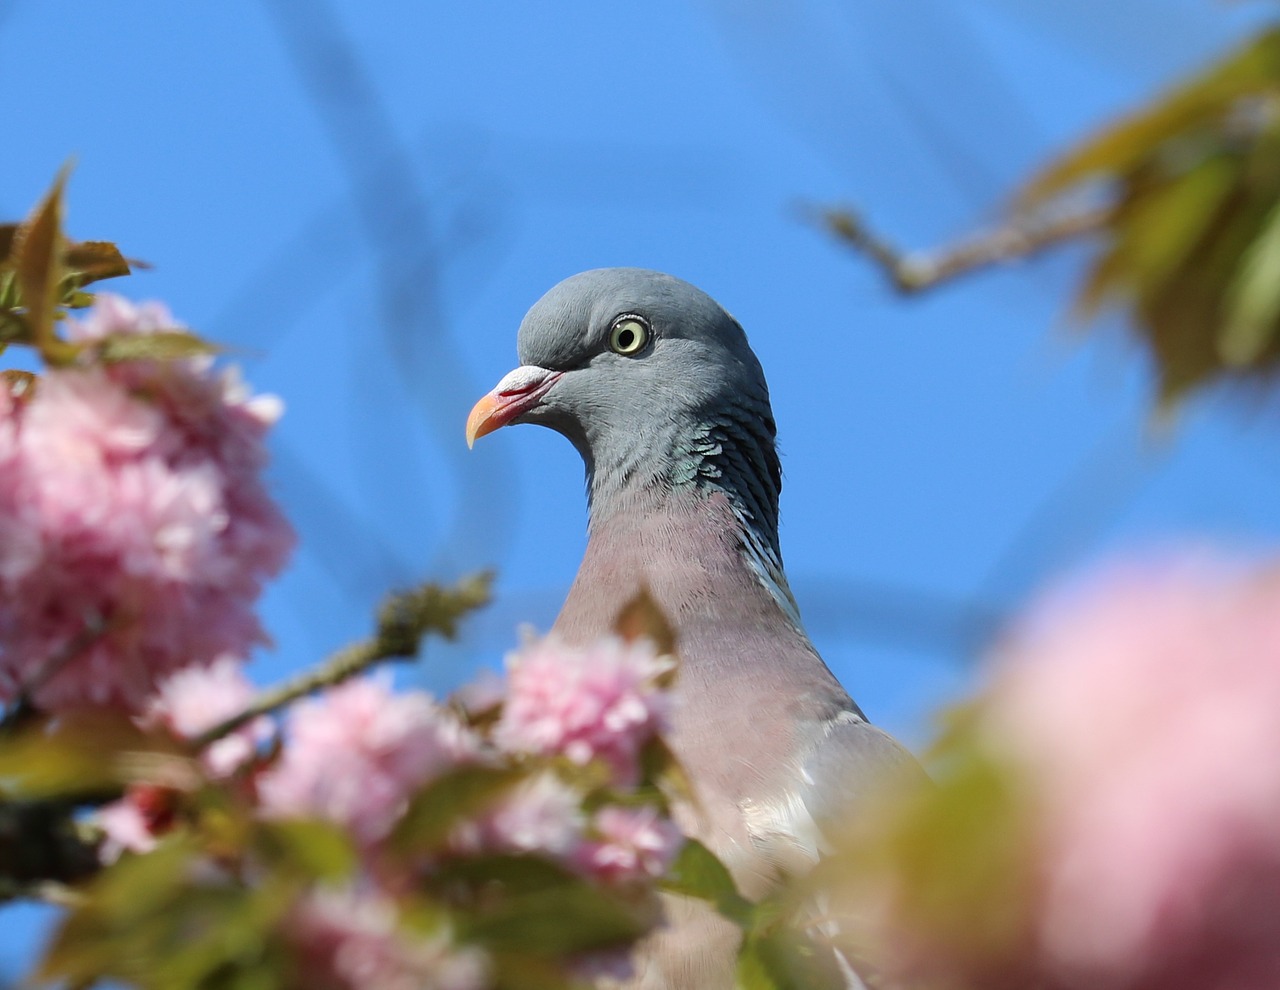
{"type": "Point", "coordinates": [356, 753]}
{"type": "Point", "coordinates": [126, 827]}
{"type": "Point", "coordinates": [633, 845]}
{"type": "Point", "coordinates": [130, 496]}
{"type": "Point", "coordinates": [598, 702]}
{"type": "Point", "coordinates": [541, 816]}
{"type": "Point", "coordinates": [196, 699]}
{"type": "Point", "coordinates": [1143, 704]}
{"type": "Point", "coordinates": [349, 940]}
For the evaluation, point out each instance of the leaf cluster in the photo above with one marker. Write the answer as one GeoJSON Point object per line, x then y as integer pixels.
{"type": "Point", "coordinates": [1191, 240]}
{"type": "Point", "coordinates": [44, 273]}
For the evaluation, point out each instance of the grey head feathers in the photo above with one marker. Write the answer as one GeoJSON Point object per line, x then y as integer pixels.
{"type": "Point", "coordinates": [689, 410]}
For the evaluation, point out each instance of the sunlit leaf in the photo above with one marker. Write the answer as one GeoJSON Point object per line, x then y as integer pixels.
{"type": "Point", "coordinates": [1199, 103]}
{"type": "Point", "coordinates": [1253, 298]}
{"type": "Point", "coordinates": [1188, 247]}
{"type": "Point", "coordinates": [164, 345]}
{"type": "Point", "coordinates": [781, 959]}
{"type": "Point", "coordinates": [37, 251]}
{"type": "Point", "coordinates": [92, 261]}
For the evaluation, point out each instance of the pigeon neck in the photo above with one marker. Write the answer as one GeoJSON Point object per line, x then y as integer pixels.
{"type": "Point", "coordinates": [734, 456]}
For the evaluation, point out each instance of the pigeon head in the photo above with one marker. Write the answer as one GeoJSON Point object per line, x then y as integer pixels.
{"type": "Point", "coordinates": [653, 383]}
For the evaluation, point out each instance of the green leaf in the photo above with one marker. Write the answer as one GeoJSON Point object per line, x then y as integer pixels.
{"type": "Point", "coordinates": [458, 795]}
{"type": "Point", "coordinates": [753, 973]}
{"type": "Point", "coordinates": [660, 767]}
{"type": "Point", "coordinates": [313, 849]}
{"type": "Point", "coordinates": [564, 919]}
{"type": "Point", "coordinates": [780, 959]}
{"type": "Point", "coordinates": [96, 751]}
{"type": "Point", "coordinates": [510, 873]}
{"type": "Point", "coordinates": [92, 261]}
{"type": "Point", "coordinates": [697, 872]}
{"type": "Point", "coordinates": [1253, 298]}
{"type": "Point", "coordinates": [164, 345]}
{"type": "Point", "coordinates": [167, 920]}
{"type": "Point", "coordinates": [1199, 104]}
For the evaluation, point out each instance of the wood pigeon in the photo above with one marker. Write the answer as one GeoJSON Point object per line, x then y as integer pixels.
{"type": "Point", "coordinates": [656, 386]}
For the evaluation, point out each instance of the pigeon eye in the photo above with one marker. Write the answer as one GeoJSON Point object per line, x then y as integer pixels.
{"type": "Point", "coordinates": [629, 335]}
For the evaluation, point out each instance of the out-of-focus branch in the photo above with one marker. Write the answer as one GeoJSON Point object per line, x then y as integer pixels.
{"type": "Point", "coordinates": [42, 850]}
{"type": "Point", "coordinates": [916, 271]}
{"type": "Point", "coordinates": [404, 619]}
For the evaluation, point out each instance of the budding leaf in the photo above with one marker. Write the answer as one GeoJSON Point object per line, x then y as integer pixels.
{"type": "Point", "coordinates": [164, 345]}
{"type": "Point", "coordinates": [37, 247]}
{"type": "Point", "coordinates": [92, 261]}
{"type": "Point", "coordinates": [642, 618]}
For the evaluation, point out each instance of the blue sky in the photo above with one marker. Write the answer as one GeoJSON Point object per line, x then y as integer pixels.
{"type": "Point", "coordinates": [363, 198]}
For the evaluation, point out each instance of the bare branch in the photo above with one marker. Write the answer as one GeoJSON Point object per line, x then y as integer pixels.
{"type": "Point", "coordinates": [912, 272]}
{"type": "Point", "coordinates": [404, 619]}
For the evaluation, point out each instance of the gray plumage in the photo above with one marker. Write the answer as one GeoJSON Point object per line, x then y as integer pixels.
{"type": "Point", "coordinates": [683, 481]}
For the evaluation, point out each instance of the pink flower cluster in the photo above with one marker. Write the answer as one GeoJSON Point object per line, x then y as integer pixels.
{"type": "Point", "coordinates": [631, 845]}
{"type": "Point", "coordinates": [131, 496]}
{"type": "Point", "coordinates": [602, 702]}
{"type": "Point", "coordinates": [356, 753]}
{"type": "Point", "coordinates": [186, 704]}
{"type": "Point", "coordinates": [1144, 706]}
{"type": "Point", "coordinates": [349, 940]}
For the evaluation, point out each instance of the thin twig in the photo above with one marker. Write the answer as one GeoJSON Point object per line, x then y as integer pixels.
{"type": "Point", "coordinates": [341, 666]}
{"type": "Point", "coordinates": [912, 272]}
{"type": "Point", "coordinates": [403, 621]}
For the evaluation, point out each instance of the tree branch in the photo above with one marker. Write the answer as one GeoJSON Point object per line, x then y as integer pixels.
{"type": "Point", "coordinates": [404, 619]}
{"type": "Point", "coordinates": [1020, 238]}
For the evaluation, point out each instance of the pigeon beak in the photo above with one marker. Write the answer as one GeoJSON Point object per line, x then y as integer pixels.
{"type": "Point", "coordinates": [517, 393]}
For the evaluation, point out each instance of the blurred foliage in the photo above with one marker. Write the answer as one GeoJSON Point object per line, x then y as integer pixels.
{"type": "Point", "coordinates": [1191, 240]}
{"type": "Point", "coordinates": [43, 273]}
{"type": "Point", "coordinates": [934, 885]}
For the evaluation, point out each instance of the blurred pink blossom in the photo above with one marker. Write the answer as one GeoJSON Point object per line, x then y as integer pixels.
{"type": "Point", "coordinates": [134, 822]}
{"type": "Point", "coordinates": [633, 844]}
{"type": "Point", "coordinates": [347, 940]}
{"type": "Point", "coordinates": [541, 816]}
{"type": "Point", "coordinates": [131, 494]}
{"type": "Point", "coordinates": [125, 828]}
{"type": "Point", "coordinates": [1144, 705]}
{"type": "Point", "coordinates": [598, 702]}
{"type": "Point", "coordinates": [356, 753]}
{"type": "Point", "coordinates": [196, 699]}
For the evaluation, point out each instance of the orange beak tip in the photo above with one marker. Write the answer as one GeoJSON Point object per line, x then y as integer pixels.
{"type": "Point", "coordinates": [481, 420]}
